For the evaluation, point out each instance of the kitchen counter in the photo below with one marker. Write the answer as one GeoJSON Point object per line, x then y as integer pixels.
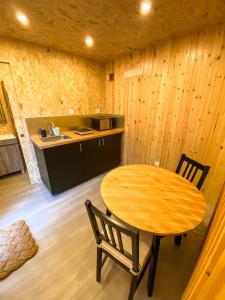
{"type": "Point", "coordinates": [7, 137]}
{"type": "Point", "coordinates": [73, 138]}
{"type": "Point", "coordinates": [64, 164]}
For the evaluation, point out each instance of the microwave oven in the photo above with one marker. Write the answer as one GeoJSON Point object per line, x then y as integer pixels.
{"type": "Point", "coordinates": [102, 123]}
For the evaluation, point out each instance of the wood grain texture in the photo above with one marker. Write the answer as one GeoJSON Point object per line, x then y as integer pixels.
{"type": "Point", "coordinates": [176, 106]}
{"type": "Point", "coordinates": [64, 267]}
{"type": "Point", "coordinates": [11, 158]}
{"type": "Point", "coordinates": [116, 26]}
{"type": "Point", "coordinates": [3, 170]}
{"type": "Point", "coordinates": [153, 199]}
{"type": "Point", "coordinates": [207, 281]}
{"type": "Point", "coordinates": [7, 139]}
{"type": "Point", "coordinates": [74, 138]}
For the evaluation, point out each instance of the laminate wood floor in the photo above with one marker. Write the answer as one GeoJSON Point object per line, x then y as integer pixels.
{"type": "Point", "coordinates": [64, 267]}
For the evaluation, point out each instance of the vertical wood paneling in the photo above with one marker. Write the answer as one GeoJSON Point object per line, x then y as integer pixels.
{"type": "Point", "coordinates": [177, 105]}
{"type": "Point", "coordinates": [207, 281]}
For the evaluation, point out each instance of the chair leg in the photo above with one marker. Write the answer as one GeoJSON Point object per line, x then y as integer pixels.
{"type": "Point", "coordinates": [178, 239]}
{"type": "Point", "coordinates": [153, 264]}
{"type": "Point", "coordinates": [108, 213]}
{"type": "Point", "coordinates": [133, 286]}
{"type": "Point", "coordinates": [99, 264]}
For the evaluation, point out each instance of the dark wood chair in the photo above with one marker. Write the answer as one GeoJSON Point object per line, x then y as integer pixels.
{"type": "Point", "coordinates": [193, 171]}
{"type": "Point", "coordinates": [121, 243]}
{"type": "Point", "coordinates": [190, 169]}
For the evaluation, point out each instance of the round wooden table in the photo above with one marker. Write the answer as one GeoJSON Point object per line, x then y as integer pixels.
{"type": "Point", "coordinates": [155, 200]}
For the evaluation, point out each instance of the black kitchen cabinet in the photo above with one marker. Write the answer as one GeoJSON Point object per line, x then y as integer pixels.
{"type": "Point", "coordinates": [92, 158]}
{"type": "Point", "coordinates": [110, 152]}
{"type": "Point", "coordinates": [101, 154]}
{"type": "Point", "coordinates": [61, 167]}
{"type": "Point", "coordinates": [66, 166]}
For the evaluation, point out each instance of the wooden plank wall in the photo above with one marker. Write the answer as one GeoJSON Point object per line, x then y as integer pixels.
{"type": "Point", "coordinates": [207, 281]}
{"type": "Point", "coordinates": [176, 106]}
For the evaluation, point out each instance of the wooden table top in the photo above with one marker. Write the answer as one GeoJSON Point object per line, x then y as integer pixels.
{"type": "Point", "coordinates": [153, 199]}
{"type": "Point", "coordinates": [73, 138]}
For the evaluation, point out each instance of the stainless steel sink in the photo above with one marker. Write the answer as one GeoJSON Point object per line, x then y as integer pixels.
{"type": "Point", "coordinates": [55, 138]}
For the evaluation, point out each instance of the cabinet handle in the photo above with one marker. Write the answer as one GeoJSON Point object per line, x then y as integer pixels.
{"type": "Point", "coordinates": [81, 150]}
{"type": "Point", "coordinates": [103, 142]}
{"type": "Point", "coordinates": [99, 143]}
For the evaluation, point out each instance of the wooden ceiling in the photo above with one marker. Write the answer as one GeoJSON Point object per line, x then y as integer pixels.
{"type": "Point", "coordinates": [116, 25]}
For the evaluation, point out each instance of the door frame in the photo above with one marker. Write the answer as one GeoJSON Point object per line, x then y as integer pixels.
{"type": "Point", "coordinates": [20, 124]}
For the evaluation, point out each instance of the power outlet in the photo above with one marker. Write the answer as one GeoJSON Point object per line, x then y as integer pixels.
{"type": "Point", "coordinates": [157, 163]}
{"type": "Point", "coordinates": [98, 110]}
{"type": "Point", "coordinates": [71, 111]}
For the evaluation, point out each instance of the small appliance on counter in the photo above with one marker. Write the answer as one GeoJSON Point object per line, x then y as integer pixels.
{"type": "Point", "coordinates": [83, 131]}
{"type": "Point", "coordinates": [102, 123]}
{"type": "Point", "coordinates": [42, 132]}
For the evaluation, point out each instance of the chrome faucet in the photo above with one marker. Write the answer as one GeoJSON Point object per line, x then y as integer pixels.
{"type": "Point", "coordinates": [51, 131]}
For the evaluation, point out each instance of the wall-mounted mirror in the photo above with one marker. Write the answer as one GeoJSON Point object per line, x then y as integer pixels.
{"type": "Point", "coordinates": [7, 125]}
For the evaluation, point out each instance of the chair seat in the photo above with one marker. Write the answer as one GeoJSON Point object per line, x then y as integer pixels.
{"type": "Point", "coordinates": [121, 242]}
{"type": "Point", "coordinates": [145, 241]}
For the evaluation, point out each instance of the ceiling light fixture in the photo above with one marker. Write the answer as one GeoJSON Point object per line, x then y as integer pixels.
{"type": "Point", "coordinates": [22, 18]}
{"type": "Point", "coordinates": [145, 7]}
{"type": "Point", "coordinates": [89, 41]}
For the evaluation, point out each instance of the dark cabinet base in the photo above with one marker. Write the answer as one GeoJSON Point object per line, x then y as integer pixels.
{"type": "Point", "coordinates": [66, 166]}
{"type": "Point", "coordinates": [91, 157]}
{"type": "Point", "coordinates": [110, 154]}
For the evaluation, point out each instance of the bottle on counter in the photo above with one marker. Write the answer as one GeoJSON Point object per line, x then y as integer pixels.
{"type": "Point", "coordinates": [42, 132]}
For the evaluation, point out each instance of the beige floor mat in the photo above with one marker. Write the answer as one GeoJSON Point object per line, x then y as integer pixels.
{"type": "Point", "coordinates": [16, 247]}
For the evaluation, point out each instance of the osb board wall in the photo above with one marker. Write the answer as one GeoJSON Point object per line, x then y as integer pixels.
{"type": "Point", "coordinates": [5, 128]}
{"type": "Point", "coordinates": [116, 26]}
{"type": "Point", "coordinates": [28, 153]}
{"type": "Point", "coordinates": [176, 105]}
{"type": "Point", "coordinates": [45, 83]}
{"type": "Point", "coordinates": [70, 122]}
{"type": "Point", "coordinates": [50, 83]}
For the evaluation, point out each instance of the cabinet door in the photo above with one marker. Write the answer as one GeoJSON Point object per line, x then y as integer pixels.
{"type": "Point", "coordinates": [92, 158]}
{"type": "Point", "coordinates": [2, 166]}
{"type": "Point", "coordinates": [110, 156]}
{"type": "Point", "coordinates": [65, 166]}
{"type": "Point", "coordinates": [11, 158]}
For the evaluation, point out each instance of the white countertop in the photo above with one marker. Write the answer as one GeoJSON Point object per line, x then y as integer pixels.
{"type": "Point", "coordinates": [7, 137]}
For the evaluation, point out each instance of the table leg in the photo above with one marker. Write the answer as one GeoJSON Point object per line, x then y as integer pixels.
{"type": "Point", "coordinates": [153, 264]}
{"type": "Point", "coordinates": [178, 239]}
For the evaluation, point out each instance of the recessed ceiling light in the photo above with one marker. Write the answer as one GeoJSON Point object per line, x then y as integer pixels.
{"type": "Point", "coordinates": [22, 18]}
{"type": "Point", "coordinates": [145, 7]}
{"type": "Point", "coordinates": [89, 41]}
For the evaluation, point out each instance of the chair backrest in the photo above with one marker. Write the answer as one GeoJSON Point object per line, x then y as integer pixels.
{"type": "Point", "coordinates": [189, 169]}
{"type": "Point", "coordinates": [110, 230]}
